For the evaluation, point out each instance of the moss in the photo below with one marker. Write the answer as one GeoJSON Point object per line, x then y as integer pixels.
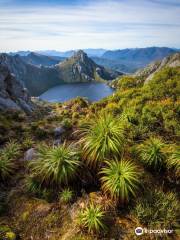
{"type": "Point", "coordinates": [25, 215]}
{"type": "Point", "coordinates": [10, 236]}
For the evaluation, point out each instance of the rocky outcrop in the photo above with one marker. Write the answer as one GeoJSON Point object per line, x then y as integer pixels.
{"type": "Point", "coordinates": [12, 94]}
{"type": "Point", "coordinates": [80, 68]}
{"type": "Point", "coordinates": [148, 72]}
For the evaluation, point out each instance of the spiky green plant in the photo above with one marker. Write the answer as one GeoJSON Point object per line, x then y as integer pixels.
{"type": "Point", "coordinates": [8, 155]}
{"type": "Point", "coordinates": [55, 165]}
{"type": "Point", "coordinates": [152, 153]}
{"type": "Point", "coordinates": [101, 138]}
{"type": "Point", "coordinates": [32, 185]}
{"type": "Point", "coordinates": [120, 179]}
{"type": "Point", "coordinates": [66, 195]}
{"type": "Point", "coordinates": [92, 218]}
{"type": "Point", "coordinates": [174, 161]}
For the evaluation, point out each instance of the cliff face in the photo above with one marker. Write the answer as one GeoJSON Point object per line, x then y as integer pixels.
{"type": "Point", "coordinates": [35, 79]}
{"type": "Point", "coordinates": [12, 94]}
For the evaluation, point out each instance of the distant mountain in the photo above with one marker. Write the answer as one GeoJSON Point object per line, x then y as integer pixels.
{"type": "Point", "coordinates": [20, 53]}
{"type": "Point", "coordinates": [148, 72]}
{"type": "Point", "coordinates": [80, 68]}
{"type": "Point", "coordinates": [38, 79]}
{"type": "Point", "coordinates": [94, 52]}
{"type": "Point", "coordinates": [65, 54]}
{"type": "Point", "coordinates": [112, 64]}
{"type": "Point", "coordinates": [138, 57]}
{"type": "Point", "coordinates": [39, 59]}
{"type": "Point", "coordinates": [90, 52]}
{"type": "Point", "coordinates": [125, 60]}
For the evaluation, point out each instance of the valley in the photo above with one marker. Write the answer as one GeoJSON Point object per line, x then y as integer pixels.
{"type": "Point", "coordinates": [88, 168]}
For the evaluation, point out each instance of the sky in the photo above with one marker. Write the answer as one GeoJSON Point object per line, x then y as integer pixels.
{"type": "Point", "coordinates": [78, 24]}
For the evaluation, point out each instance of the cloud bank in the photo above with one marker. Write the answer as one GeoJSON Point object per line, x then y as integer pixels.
{"type": "Point", "coordinates": [64, 25]}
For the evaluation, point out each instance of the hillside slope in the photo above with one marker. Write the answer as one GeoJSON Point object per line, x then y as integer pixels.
{"type": "Point", "coordinates": [149, 71]}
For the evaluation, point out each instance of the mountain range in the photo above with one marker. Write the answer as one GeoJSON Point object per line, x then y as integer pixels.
{"type": "Point", "coordinates": [123, 60]}
{"type": "Point", "coordinates": [16, 74]}
{"type": "Point", "coordinates": [38, 78]}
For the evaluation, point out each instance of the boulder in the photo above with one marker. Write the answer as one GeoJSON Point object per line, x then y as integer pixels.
{"type": "Point", "coordinates": [58, 131]}
{"type": "Point", "coordinates": [30, 154]}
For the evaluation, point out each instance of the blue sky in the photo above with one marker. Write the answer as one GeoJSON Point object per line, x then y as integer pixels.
{"type": "Point", "coordinates": [75, 24]}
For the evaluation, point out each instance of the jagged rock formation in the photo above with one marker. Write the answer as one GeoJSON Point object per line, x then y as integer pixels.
{"type": "Point", "coordinates": [12, 94]}
{"type": "Point", "coordinates": [80, 68]}
{"type": "Point", "coordinates": [38, 79]}
{"type": "Point", "coordinates": [148, 72]}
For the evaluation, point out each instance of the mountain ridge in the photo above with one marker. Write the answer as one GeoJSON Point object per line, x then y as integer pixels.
{"type": "Point", "coordinates": [124, 60]}
{"type": "Point", "coordinates": [38, 79]}
{"type": "Point", "coordinates": [148, 72]}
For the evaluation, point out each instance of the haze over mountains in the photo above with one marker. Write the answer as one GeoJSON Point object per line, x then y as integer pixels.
{"type": "Point", "coordinates": [125, 60]}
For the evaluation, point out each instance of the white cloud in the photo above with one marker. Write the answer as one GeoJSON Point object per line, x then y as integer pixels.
{"type": "Point", "coordinates": [108, 24]}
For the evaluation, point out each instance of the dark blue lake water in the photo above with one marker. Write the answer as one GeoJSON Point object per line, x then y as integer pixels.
{"type": "Point", "coordinates": [64, 92]}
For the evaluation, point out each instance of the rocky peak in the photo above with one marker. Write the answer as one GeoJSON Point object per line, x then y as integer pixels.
{"type": "Point", "coordinates": [81, 56]}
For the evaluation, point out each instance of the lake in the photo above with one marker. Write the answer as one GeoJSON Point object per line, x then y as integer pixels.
{"type": "Point", "coordinates": [65, 92]}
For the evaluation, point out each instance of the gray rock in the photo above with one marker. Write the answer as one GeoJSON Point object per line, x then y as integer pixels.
{"type": "Point", "coordinates": [59, 131]}
{"type": "Point", "coordinates": [12, 94]}
{"type": "Point", "coordinates": [57, 142]}
{"type": "Point", "coordinates": [30, 154]}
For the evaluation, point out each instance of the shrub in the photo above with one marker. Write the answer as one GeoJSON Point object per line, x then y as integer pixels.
{"type": "Point", "coordinates": [66, 196]}
{"type": "Point", "coordinates": [91, 218]}
{"type": "Point", "coordinates": [120, 179]}
{"type": "Point", "coordinates": [8, 155]}
{"type": "Point", "coordinates": [101, 138]}
{"type": "Point", "coordinates": [152, 153]}
{"type": "Point", "coordinates": [67, 123]}
{"type": "Point", "coordinates": [27, 143]}
{"type": "Point", "coordinates": [158, 209]}
{"type": "Point", "coordinates": [173, 161]}
{"type": "Point", "coordinates": [32, 185]}
{"type": "Point", "coordinates": [55, 165]}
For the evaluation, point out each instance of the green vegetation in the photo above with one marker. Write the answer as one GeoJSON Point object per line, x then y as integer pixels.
{"type": "Point", "coordinates": [152, 153]}
{"type": "Point", "coordinates": [116, 164]}
{"type": "Point", "coordinates": [173, 161]}
{"type": "Point", "coordinates": [66, 196]}
{"type": "Point", "coordinates": [101, 138]}
{"type": "Point", "coordinates": [8, 155]}
{"type": "Point", "coordinates": [55, 165]}
{"type": "Point", "coordinates": [158, 209]}
{"type": "Point", "coordinates": [120, 179]}
{"type": "Point", "coordinates": [91, 218]}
